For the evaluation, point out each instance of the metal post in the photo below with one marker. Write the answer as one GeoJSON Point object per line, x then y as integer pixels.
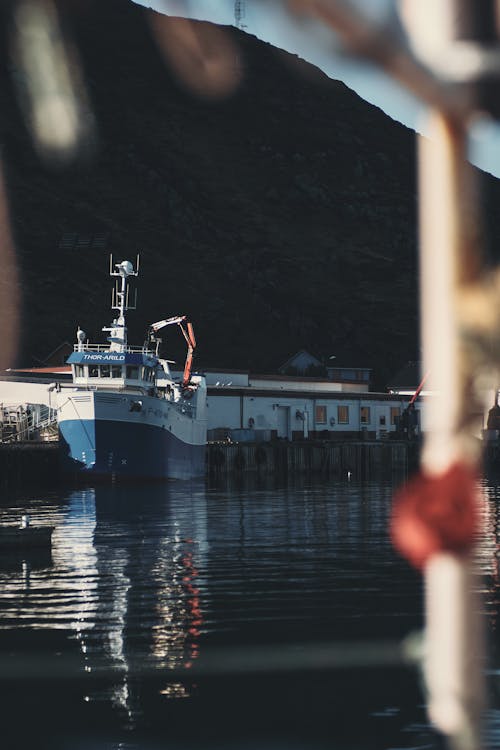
{"type": "Point", "coordinates": [450, 259]}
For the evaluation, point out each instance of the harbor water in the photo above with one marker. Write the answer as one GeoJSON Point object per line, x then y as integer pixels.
{"type": "Point", "coordinates": [249, 614]}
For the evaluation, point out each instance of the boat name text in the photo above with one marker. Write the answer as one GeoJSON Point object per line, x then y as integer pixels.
{"type": "Point", "coordinates": [112, 357]}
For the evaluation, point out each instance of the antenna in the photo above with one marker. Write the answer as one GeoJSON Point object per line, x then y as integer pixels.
{"type": "Point", "coordinates": [239, 13]}
{"type": "Point", "coordinates": [120, 294]}
{"type": "Point", "coordinates": [120, 301]}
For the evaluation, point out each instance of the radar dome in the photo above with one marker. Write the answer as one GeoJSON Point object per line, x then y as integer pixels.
{"type": "Point", "coordinates": [126, 268]}
{"type": "Point", "coordinates": [80, 336]}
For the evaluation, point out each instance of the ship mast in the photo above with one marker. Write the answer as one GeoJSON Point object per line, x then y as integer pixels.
{"type": "Point", "coordinates": [120, 302]}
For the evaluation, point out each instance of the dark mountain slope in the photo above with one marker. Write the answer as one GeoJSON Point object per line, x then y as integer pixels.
{"type": "Point", "coordinates": [279, 218]}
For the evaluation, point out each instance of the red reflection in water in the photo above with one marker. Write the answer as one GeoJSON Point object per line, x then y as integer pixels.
{"type": "Point", "coordinates": [194, 608]}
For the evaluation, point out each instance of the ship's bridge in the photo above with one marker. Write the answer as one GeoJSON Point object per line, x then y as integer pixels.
{"type": "Point", "coordinates": [102, 367]}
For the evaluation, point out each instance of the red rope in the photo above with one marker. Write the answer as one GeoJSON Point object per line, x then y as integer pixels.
{"type": "Point", "coordinates": [435, 514]}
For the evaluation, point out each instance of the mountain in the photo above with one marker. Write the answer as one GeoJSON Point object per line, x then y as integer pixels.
{"type": "Point", "coordinates": [281, 217]}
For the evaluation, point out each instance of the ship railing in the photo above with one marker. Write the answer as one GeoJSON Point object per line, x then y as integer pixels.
{"type": "Point", "coordinates": [87, 347]}
{"type": "Point", "coordinates": [27, 422]}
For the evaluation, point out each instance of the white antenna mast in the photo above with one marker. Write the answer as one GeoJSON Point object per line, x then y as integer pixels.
{"type": "Point", "coordinates": [120, 301]}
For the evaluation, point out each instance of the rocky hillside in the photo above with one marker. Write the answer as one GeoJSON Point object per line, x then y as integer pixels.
{"type": "Point", "coordinates": [279, 218]}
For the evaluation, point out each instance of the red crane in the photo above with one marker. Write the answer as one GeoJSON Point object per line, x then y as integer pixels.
{"type": "Point", "coordinates": [188, 334]}
{"type": "Point", "coordinates": [417, 392]}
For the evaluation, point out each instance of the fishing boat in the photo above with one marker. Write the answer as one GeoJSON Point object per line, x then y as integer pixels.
{"type": "Point", "coordinates": [125, 413]}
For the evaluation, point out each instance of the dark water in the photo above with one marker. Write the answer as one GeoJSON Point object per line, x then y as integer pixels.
{"type": "Point", "coordinates": [159, 618]}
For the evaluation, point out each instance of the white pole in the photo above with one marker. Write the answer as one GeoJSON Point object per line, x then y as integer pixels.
{"type": "Point", "coordinates": [450, 259]}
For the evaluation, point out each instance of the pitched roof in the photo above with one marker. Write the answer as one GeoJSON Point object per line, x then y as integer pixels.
{"type": "Point", "coordinates": [408, 376]}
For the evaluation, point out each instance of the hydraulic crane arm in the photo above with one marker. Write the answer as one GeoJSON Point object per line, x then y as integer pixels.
{"type": "Point", "coordinates": [417, 392]}
{"type": "Point", "coordinates": [167, 322]}
{"type": "Point", "coordinates": [188, 333]}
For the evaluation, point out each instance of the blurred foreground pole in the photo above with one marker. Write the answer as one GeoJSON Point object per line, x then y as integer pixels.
{"type": "Point", "coordinates": [462, 48]}
{"type": "Point", "coordinates": [450, 259]}
{"type": "Point", "coordinates": [455, 70]}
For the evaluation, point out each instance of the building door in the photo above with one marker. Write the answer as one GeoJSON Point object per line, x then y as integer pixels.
{"type": "Point", "coordinates": [283, 422]}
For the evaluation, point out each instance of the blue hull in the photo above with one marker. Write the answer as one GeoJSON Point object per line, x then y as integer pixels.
{"type": "Point", "coordinates": [126, 450]}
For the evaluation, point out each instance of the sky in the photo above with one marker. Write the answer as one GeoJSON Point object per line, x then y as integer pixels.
{"type": "Point", "coordinates": [267, 20]}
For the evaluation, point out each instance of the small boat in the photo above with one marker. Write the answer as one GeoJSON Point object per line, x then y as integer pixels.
{"type": "Point", "coordinates": [125, 415]}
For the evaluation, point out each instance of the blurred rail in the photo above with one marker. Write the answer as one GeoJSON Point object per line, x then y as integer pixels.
{"type": "Point", "coordinates": [221, 662]}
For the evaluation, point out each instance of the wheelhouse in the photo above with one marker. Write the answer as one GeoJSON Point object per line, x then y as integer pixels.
{"type": "Point", "coordinates": [113, 369]}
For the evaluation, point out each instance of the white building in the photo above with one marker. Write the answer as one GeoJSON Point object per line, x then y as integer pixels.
{"type": "Point", "coordinates": [261, 407]}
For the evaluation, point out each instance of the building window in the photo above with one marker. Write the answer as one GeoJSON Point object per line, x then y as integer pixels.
{"type": "Point", "coordinates": [394, 415]}
{"type": "Point", "coordinates": [320, 415]}
{"type": "Point", "coordinates": [364, 415]}
{"type": "Point", "coordinates": [343, 414]}
{"type": "Point", "coordinates": [382, 419]}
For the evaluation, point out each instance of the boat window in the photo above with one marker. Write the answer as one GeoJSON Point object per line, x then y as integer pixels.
{"type": "Point", "coordinates": [79, 371]}
{"type": "Point", "coordinates": [105, 372]}
{"type": "Point", "coordinates": [132, 372]}
{"type": "Point", "coordinates": [116, 371]}
{"type": "Point", "coordinates": [148, 374]}
{"type": "Point", "coordinates": [93, 371]}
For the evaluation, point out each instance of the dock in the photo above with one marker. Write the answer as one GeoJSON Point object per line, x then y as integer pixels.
{"type": "Point", "coordinates": [362, 459]}
{"type": "Point", "coordinates": [28, 463]}
{"type": "Point", "coordinates": [33, 462]}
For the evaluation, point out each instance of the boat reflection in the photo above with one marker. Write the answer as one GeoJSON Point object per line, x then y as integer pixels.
{"type": "Point", "coordinates": [138, 606]}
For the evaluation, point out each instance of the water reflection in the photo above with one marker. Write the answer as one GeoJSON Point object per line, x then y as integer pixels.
{"type": "Point", "coordinates": [122, 581]}
{"type": "Point", "coordinates": [141, 580]}
{"type": "Point", "coordinates": [150, 578]}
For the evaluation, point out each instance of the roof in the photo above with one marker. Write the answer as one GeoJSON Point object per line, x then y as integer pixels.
{"type": "Point", "coordinates": [408, 376]}
{"type": "Point", "coordinates": [64, 345]}
{"type": "Point", "coordinates": [334, 366]}
{"type": "Point", "coordinates": [41, 370]}
{"type": "Point", "coordinates": [301, 394]}
{"type": "Point", "coordinates": [290, 360]}
{"type": "Point", "coordinates": [293, 378]}
{"type": "Point", "coordinates": [332, 363]}
{"type": "Point", "coordinates": [224, 371]}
